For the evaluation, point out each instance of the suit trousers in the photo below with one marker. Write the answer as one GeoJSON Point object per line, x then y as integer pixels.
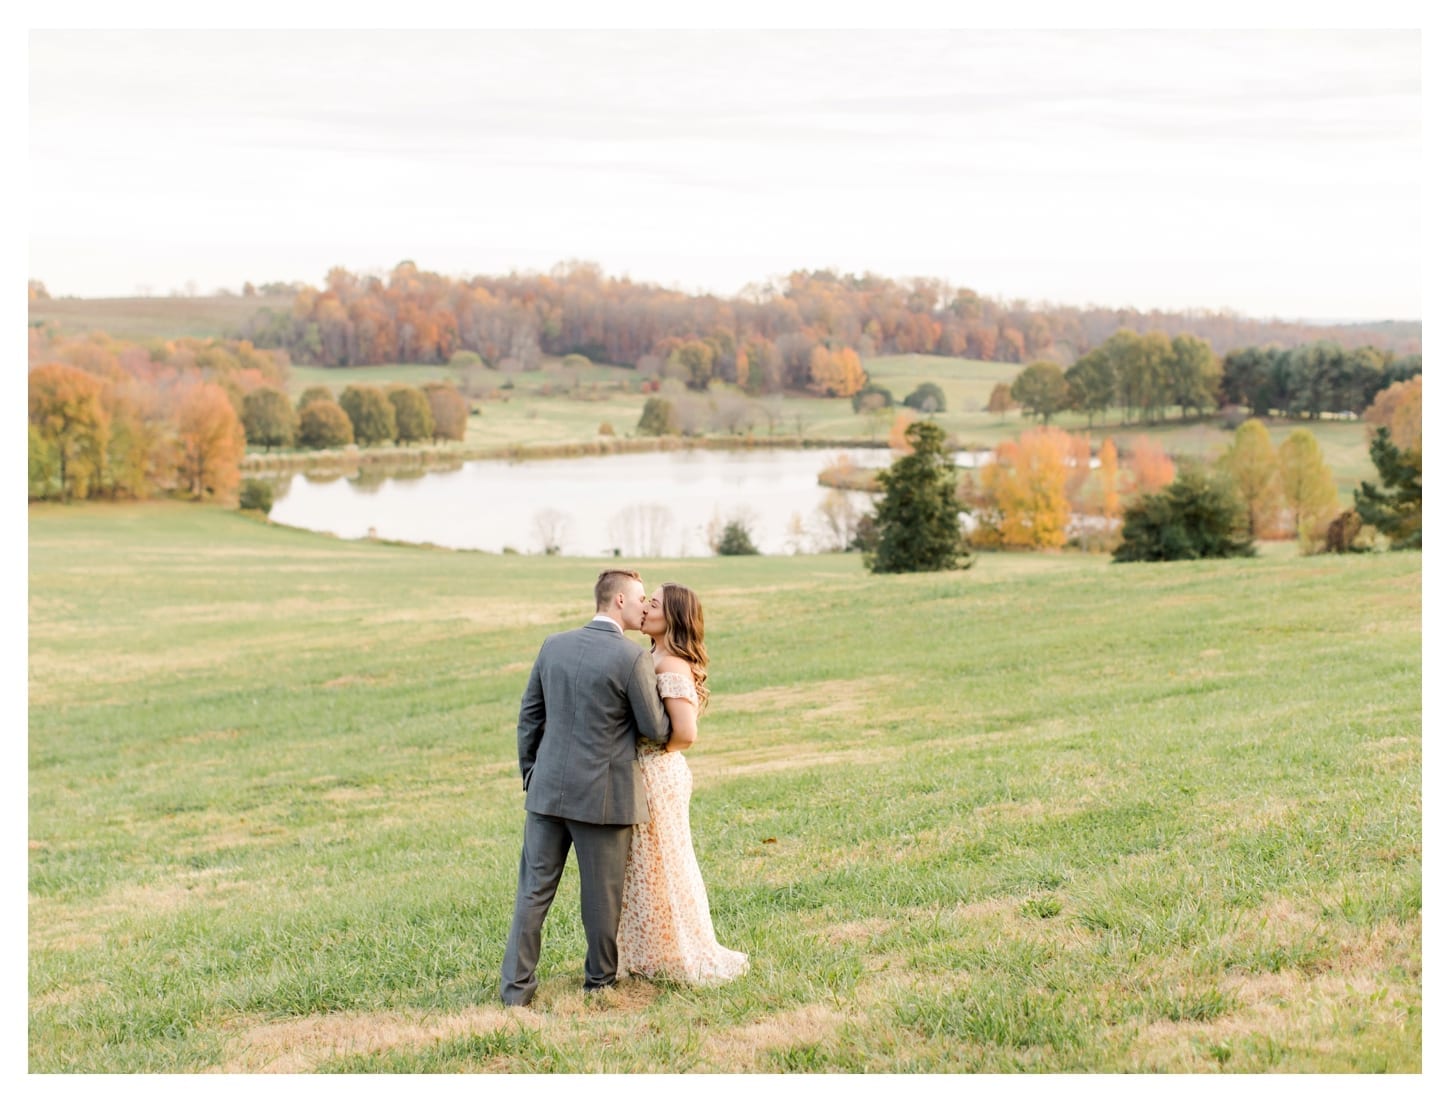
{"type": "Point", "coordinates": [602, 852]}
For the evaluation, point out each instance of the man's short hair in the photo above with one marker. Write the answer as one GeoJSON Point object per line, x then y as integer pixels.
{"type": "Point", "coordinates": [611, 582]}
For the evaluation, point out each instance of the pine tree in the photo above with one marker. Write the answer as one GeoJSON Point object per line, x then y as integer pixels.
{"type": "Point", "coordinates": [1396, 509]}
{"type": "Point", "coordinates": [917, 523]}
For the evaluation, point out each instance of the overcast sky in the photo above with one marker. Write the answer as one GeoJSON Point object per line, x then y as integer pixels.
{"type": "Point", "coordinates": [1272, 173]}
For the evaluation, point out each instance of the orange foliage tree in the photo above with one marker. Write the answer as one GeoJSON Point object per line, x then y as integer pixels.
{"type": "Point", "coordinates": [1151, 467]}
{"type": "Point", "coordinates": [211, 441]}
{"type": "Point", "coordinates": [69, 421]}
{"type": "Point", "coordinates": [897, 438]}
{"type": "Point", "coordinates": [1397, 408]}
{"type": "Point", "coordinates": [1110, 504]}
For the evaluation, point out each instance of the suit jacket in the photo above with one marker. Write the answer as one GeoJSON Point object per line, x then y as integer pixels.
{"type": "Point", "coordinates": [590, 696]}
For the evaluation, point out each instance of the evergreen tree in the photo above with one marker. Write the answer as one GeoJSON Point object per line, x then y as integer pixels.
{"type": "Point", "coordinates": [1197, 517]}
{"type": "Point", "coordinates": [1394, 509]}
{"type": "Point", "coordinates": [916, 524]}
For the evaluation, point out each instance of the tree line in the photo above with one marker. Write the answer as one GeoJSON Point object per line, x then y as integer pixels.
{"type": "Point", "coordinates": [1043, 491]}
{"type": "Point", "coordinates": [123, 419]}
{"type": "Point", "coordinates": [765, 338]}
{"type": "Point", "coordinates": [1144, 375]}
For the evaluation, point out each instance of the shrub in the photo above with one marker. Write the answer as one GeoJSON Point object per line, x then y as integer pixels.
{"type": "Point", "coordinates": [256, 496]}
{"type": "Point", "coordinates": [324, 424]}
{"type": "Point", "coordinates": [735, 540]}
{"type": "Point", "coordinates": [857, 399]}
{"type": "Point", "coordinates": [928, 398]}
{"type": "Point", "coordinates": [1196, 517]}
{"type": "Point", "coordinates": [606, 429]}
{"type": "Point", "coordinates": [659, 418]}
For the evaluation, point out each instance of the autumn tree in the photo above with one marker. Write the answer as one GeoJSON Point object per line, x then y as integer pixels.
{"type": "Point", "coordinates": [323, 424]}
{"type": "Point", "coordinates": [412, 413]}
{"type": "Point", "coordinates": [66, 410]}
{"type": "Point", "coordinates": [371, 414]}
{"type": "Point", "coordinates": [1252, 466]}
{"type": "Point", "coordinates": [1001, 402]}
{"type": "Point", "coordinates": [1397, 408]}
{"type": "Point", "coordinates": [1151, 467]}
{"type": "Point", "coordinates": [450, 411]}
{"type": "Point", "coordinates": [1197, 516]}
{"type": "Point", "coordinates": [899, 438]}
{"type": "Point", "coordinates": [1025, 491]}
{"type": "Point", "coordinates": [314, 394]}
{"type": "Point", "coordinates": [140, 448]}
{"type": "Point", "coordinates": [1394, 508]}
{"type": "Point", "coordinates": [1307, 483]}
{"type": "Point", "coordinates": [836, 373]}
{"type": "Point", "coordinates": [917, 522]}
{"type": "Point", "coordinates": [1041, 389]}
{"type": "Point", "coordinates": [212, 441]}
{"type": "Point", "coordinates": [1111, 503]}
{"type": "Point", "coordinates": [268, 418]}
{"type": "Point", "coordinates": [696, 360]}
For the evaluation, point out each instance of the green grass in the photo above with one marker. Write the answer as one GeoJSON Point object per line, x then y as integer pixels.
{"type": "Point", "coordinates": [159, 317]}
{"type": "Point", "coordinates": [1048, 814]}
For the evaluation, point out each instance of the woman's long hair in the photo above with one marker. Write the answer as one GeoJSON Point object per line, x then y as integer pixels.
{"type": "Point", "coordinates": [685, 632]}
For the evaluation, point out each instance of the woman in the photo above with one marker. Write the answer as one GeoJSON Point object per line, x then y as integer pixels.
{"type": "Point", "coordinates": [665, 930]}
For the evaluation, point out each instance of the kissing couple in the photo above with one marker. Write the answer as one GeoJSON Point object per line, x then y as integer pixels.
{"type": "Point", "coordinates": [601, 728]}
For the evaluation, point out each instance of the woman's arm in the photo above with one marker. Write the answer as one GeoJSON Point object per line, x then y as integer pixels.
{"type": "Point", "coordinates": [683, 712]}
{"type": "Point", "coordinates": [682, 723]}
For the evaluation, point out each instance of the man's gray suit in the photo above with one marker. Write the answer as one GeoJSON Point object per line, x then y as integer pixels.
{"type": "Point", "coordinates": [590, 696]}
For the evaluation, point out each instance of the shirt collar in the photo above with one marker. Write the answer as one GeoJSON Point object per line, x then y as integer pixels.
{"type": "Point", "coordinates": [608, 621]}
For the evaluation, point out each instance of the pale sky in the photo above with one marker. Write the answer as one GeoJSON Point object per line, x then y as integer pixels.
{"type": "Point", "coordinates": [1275, 173]}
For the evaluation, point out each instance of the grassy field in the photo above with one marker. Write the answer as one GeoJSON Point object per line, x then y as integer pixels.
{"type": "Point", "coordinates": [162, 317]}
{"type": "Point", "coordinates": [1049, 814]}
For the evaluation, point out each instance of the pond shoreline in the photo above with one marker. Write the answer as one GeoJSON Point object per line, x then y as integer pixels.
{"type": "Point", "coordinates": [443, 457]}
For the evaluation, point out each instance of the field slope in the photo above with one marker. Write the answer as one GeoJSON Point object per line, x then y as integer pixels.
{"type": "Point", "coordinates": [1048, 814]}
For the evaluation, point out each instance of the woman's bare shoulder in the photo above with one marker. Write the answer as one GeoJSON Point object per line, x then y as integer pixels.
{"type": "Point", "coordinates": [671, 663]}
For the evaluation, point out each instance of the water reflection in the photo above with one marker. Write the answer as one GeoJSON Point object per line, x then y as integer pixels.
{"type": "Point", "coordinates": [662, 504]}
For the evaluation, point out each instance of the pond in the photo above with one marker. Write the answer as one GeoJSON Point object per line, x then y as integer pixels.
{"type": "Point", "coordinates": [656, 504]}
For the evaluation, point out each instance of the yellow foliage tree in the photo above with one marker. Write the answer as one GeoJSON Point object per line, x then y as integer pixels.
{"type": "Point", "coordinates": [1308, 483]}
{"type": "Point", "coordinates": [837, 374]}
{"type": "Point", "coordinates": [1026, 490]}
{"type": "Point", "coordinates": [1253, 467]}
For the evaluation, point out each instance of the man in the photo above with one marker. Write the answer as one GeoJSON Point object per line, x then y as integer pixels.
{"type": "Point", "coordinates": [590, 696]}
